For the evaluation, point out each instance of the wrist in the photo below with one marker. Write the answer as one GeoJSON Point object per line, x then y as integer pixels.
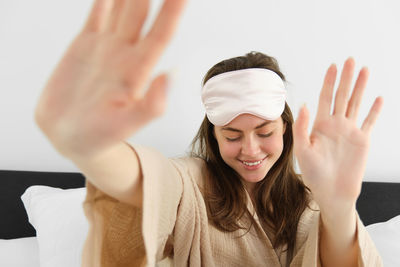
{"type": "Point", "coordinates": [98, 155]}
{"type": "Point", "coordinates": [339, 216]}
{"type": "Point", "coordinates": [335, 207]}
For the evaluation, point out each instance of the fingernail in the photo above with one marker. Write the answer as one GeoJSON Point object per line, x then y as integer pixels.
{"type": "Point", "coordinates": [351, 60]}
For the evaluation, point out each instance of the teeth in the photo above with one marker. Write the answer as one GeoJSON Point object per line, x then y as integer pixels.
{"type": "Point", "coordinates": [252, 163]}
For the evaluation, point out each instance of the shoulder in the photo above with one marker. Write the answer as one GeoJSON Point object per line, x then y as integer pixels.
{"type": "Point", "coordinates": [193, 167]}
{"type": "Point", "coordinates": [309, 216]}
{"type": "Point", "coordinates": [311, 210]}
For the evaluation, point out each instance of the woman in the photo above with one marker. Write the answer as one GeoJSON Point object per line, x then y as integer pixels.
{"type": "Point", "coordinates": [238, 202]}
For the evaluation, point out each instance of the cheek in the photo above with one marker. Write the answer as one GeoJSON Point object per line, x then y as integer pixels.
{"type": "Point", "coordinates": [229, 150]}
{"type": "Point", "coordinates": [274, 144]}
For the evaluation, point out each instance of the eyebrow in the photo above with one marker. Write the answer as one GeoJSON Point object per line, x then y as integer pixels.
{"type": "Point", "coordinates": [237, 130]}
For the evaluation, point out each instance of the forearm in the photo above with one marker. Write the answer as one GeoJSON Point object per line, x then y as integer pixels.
{"type": "Point", "coordinates": [338, 241]}
{"type": "Point", "coordinates": [115, 172]}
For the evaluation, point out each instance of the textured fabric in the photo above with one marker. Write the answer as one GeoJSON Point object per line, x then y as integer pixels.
{"type": "Point", "coordinates": [256, 91]}
{"type": "Point", "coordinates": [172, 228]}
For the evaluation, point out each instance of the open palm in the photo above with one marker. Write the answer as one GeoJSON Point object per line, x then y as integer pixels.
{"type": "Point", "coordinates": [95, 97]}
{"type": "Point", "coordinates": [333, 157]}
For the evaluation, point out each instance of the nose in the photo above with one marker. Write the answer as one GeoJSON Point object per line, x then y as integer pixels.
{"type": "Point", "coordinates": [250, 146]}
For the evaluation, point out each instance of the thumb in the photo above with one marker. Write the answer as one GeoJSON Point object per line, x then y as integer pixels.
{"type": "Point", "coordinates": [141, 111]}
{"type": "Point", "coordinates": [153, 103]}
{"type": "Point", "coordinates": [300, 133]}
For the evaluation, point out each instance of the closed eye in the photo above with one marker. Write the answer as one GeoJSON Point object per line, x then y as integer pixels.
{"type": "Point", "coordinates": [265, 135]}
{"type": "Point", "coordinates": [237, 138]}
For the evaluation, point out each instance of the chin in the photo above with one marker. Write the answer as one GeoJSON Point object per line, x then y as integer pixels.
{"type": "Point", "coordinates": [253, 178]}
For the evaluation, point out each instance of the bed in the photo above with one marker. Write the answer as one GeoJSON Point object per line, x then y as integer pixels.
{"type": "Point", "coordinates": [42, 221]}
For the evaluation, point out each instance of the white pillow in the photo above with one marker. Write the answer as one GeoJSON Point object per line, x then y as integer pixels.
{"type": "Point", "coordinates": [12, 249]}
{"type": "Point", "coordinates": [61, 226]}
{"type": "Point", "coordinates": [386, 236]}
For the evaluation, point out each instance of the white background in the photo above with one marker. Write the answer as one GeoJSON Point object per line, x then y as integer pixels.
{"type": "Point", "coordinates": [304, 36]}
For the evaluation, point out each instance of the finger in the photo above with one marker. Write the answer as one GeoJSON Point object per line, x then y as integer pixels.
{"type": "Point", "coordinates": [300, 130]}
{"type": "Point", "coordinates": [373, 114]}
{"type": "Point", "coordinates": [98, 16]}
{"type": "Point", "coordinates": [325, 96]}
{"type": "Point", "coordinates": [344, 88]}
{"type": "Point", "coordinates": [132, 19]}
{"type": "Point", "coordinates": [162, 30]}
{"type": "Point", "coordinates": [355, 100]}
{"type": "Point", "coordinates": [114, 15]}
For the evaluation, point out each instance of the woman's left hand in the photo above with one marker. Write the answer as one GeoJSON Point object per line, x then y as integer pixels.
{"type": "Point", "coordinates": [333, 157]}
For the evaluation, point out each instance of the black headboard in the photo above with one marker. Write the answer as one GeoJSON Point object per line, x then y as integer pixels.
{"type": "Point", "coordinates": [378, 201]}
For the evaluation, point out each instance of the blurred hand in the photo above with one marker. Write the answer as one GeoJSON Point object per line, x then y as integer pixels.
{"type": "Point", "coordinates": [333, 157]}
{"type": "Point", "coordinates": [94, 98]}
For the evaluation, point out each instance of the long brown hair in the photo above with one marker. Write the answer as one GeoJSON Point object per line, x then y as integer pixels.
{"type": "Point", "coordinates": [280, 198]}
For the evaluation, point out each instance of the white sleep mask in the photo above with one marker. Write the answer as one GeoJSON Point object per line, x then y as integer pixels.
{"type": "Point", "coordinates": [257, 91]}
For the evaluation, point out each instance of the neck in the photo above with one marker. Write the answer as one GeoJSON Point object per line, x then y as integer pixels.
{"type": "Point", "coordinates": [249, 187]}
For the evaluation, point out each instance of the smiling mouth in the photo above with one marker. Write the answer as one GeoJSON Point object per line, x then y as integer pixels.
{"type": "Point", "coordinates": [253, 163]}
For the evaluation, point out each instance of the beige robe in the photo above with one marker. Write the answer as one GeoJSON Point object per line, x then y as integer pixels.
{"type": "Point", "coordinates": [172, 228]}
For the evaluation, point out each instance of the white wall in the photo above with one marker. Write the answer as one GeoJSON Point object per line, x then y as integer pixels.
{"type": "Point", "coordinates": [305, 36]}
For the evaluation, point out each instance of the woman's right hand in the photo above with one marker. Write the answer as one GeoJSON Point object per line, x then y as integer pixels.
{"type": "Point", "coordinates": [94, 98]}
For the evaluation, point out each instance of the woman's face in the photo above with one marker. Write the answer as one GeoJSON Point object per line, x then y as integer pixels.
{"type": "Point", "coordinates": [250, 145]}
